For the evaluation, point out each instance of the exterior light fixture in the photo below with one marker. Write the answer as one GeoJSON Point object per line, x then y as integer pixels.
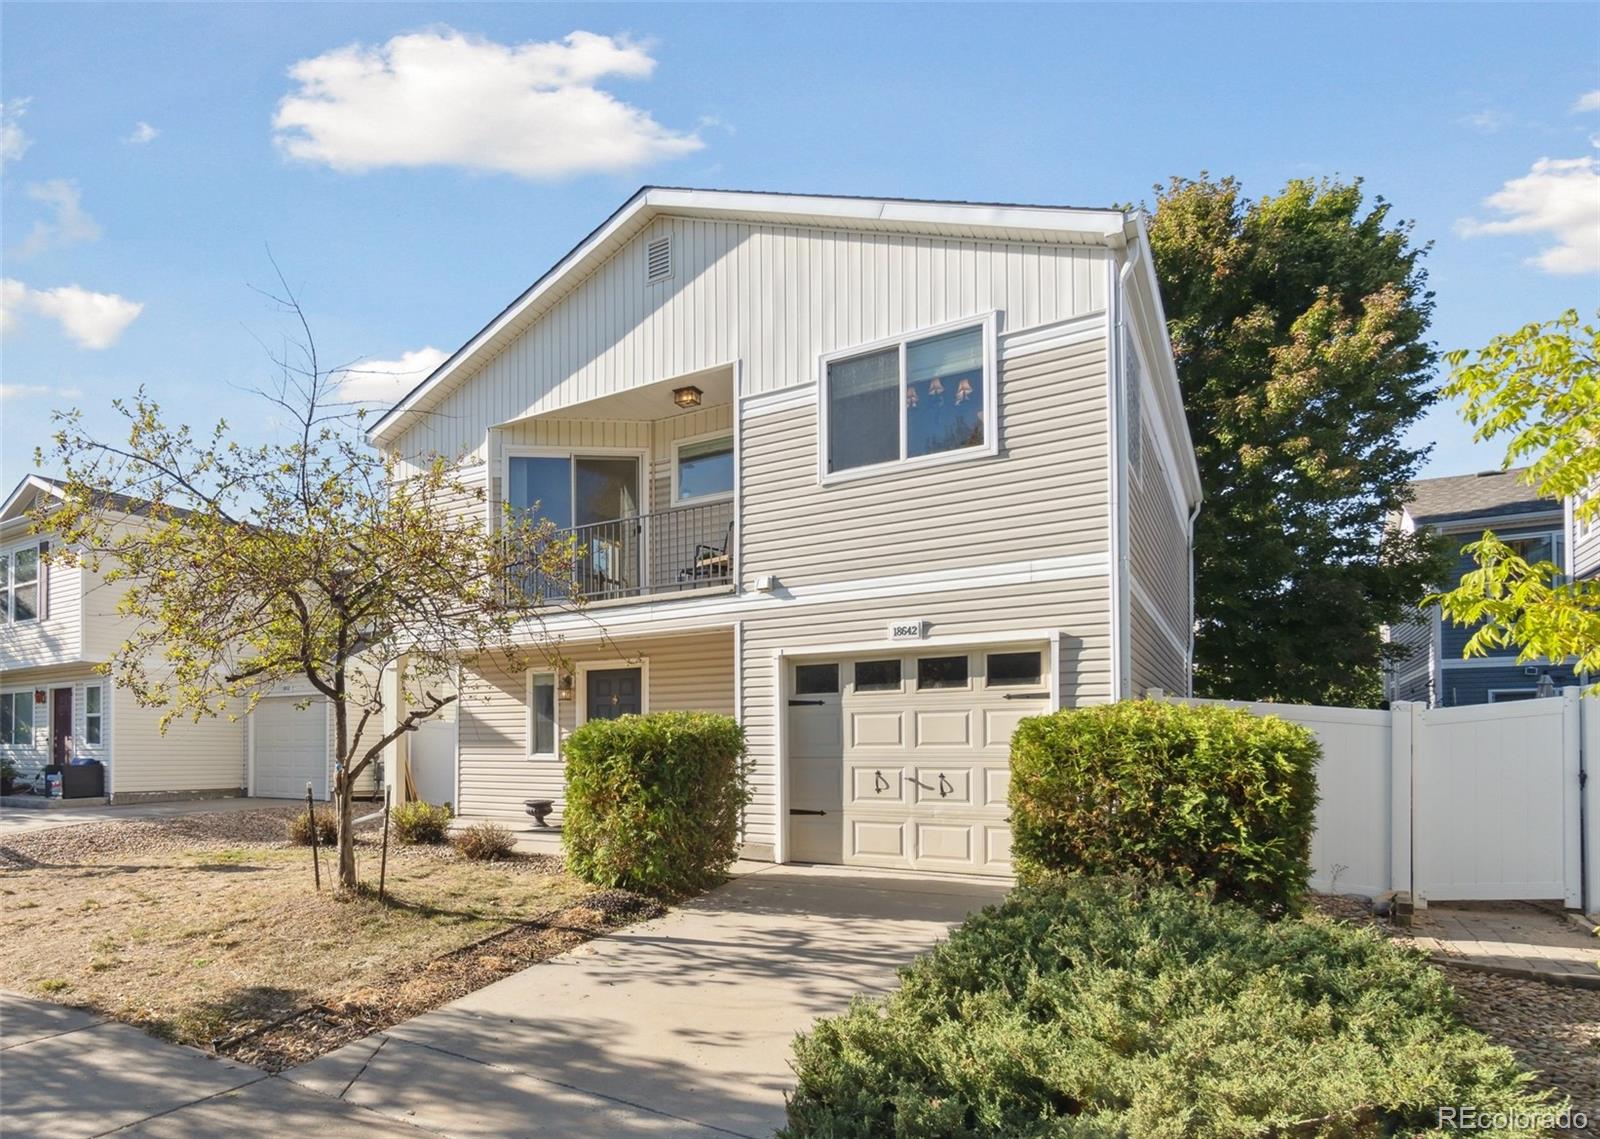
{"type": "Point", "coordinates": [686, 397]}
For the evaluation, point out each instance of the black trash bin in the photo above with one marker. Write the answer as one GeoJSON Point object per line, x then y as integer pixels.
{"type": "Point", "coordinates": [80, 780]}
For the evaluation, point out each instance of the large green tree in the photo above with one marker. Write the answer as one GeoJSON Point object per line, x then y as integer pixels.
{"type": "Point", "coordinates": [1299, 323]}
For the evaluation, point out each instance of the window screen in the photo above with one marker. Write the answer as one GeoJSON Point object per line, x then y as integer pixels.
{"type": "Point", "coordinates": [864, 410]}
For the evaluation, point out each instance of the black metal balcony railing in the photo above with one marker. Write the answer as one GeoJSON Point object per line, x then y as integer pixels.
{"type": "Point", "coordinates": [668, 551]}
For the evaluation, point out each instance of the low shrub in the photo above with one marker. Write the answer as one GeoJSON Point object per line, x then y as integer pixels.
{"type": "Point", "coordinates": [299, 828]}
{"type": "Point", "coordinates": [654, 802]}
{"type": "Point", "coordinates": [1101, 1007]}
{"type": "Point", "coordinates": [419, 822]}
{"type": "Point", "coordinates": [483, 842]}
{"type": "Point", "coordinates": [1208, 795]}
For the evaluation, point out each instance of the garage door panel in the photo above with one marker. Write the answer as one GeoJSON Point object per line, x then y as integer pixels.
{"type": "Point", "coordinates": [877, 729]}
{"type": "Point", "coordinates": [943, 786]}
{"type": "Point", "coordinates": [878, 783]}
{"type": "Point", "coordinates": [997, 787]}
{"type": "Point", "coordinates": [997, 847]}
{"type": "Point", "coordinates": [290, 745]}
{"type": "Point", "coordinates": [877, 839]}
{"type": "Point", "coordinates": [1000, 723]}
{"type": "Point", "coordinates": [949, 845]}
{"type": "Point", "coordinates": [944, 729]}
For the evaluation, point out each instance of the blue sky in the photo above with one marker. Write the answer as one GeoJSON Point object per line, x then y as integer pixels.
{"type": "Point", "coordinates": [154, 154]}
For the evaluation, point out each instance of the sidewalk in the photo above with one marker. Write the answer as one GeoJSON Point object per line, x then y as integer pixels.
{"type": "Point", "coordinates": [1513, 939]}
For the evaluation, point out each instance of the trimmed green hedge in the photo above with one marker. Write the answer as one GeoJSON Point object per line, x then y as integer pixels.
{"type": "Point", "coordinates": [654, 802]}
{"type": "Point", "coordinates": [1207, 795]}
{"type": "Point", "coordinates": [1102, 1007]}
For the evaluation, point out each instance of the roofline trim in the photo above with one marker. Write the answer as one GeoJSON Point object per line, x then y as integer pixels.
{"type": "Point", "coordinates": [1106, 225]}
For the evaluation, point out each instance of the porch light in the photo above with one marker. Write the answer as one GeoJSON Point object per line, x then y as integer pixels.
{"type": "Point", "coordinates": [687, 396]}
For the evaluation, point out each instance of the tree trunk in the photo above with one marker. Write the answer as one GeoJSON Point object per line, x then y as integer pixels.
{"type": "Point", "coordinates": [347, 838]}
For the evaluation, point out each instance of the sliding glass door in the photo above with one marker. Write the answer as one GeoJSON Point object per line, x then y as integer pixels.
{"type": "Point", "coordinates": [597, 497]}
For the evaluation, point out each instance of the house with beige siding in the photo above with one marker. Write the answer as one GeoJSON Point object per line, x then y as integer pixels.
{"type": "Point", "coordinates": [877, 477]}
{"type": "Point", "coordinates": [61, 625]}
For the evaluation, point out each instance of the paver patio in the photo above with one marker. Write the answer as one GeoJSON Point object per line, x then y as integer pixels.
{"type": "Point", "coordinates": [1509, 938]}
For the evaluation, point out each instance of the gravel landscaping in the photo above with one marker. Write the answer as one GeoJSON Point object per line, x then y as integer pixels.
{"type": "Point", "coordinates": [207, 929]}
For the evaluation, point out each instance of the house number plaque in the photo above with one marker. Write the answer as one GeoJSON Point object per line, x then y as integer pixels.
{"type": "Point", "coordinates": [909, 630]}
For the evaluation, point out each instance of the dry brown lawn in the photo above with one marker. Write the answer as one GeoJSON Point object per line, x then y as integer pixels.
{"type": "Point", "coordinates": [206, 927]}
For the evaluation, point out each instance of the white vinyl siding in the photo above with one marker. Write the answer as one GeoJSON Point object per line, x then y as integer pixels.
{"type": "Point", "coordinates": [1158, 560]}
{"type": "Point", "coordinates": [204, 756]}
{"type": "Point", "coordinates": [54, 638]}
{"type": "Point", "coordinates": [774, 297]}
{"type": "Point", "coordinates": [497, 773]}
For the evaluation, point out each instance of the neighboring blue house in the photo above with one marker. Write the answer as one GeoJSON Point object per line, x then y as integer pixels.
{"type": "Point", "coordinates": [1433, 671]}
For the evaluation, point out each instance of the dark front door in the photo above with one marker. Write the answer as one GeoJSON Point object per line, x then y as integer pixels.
{"type": "Point", "coordinates": [614, 692]}
{"type": "Point", "coordinates": [60, 724]}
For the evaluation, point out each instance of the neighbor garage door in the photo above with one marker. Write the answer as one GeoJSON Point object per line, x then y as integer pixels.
{"type": "Point", "coordinates": [903, 760]}
{"type": "Point", "coordinates": [290, 746]}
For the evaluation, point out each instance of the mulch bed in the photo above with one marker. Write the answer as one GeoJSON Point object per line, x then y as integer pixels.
{"type": "Point", "coordinates": [317, 1030]}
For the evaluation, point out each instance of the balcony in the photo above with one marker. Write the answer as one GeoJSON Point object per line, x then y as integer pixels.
{"type": "Point", "coordinates": [685, 549]}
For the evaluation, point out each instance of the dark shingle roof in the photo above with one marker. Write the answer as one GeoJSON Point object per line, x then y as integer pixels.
{"type": "Point", "coordinates": [1460, 497]}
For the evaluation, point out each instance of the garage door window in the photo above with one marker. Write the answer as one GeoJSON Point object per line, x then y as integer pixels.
{"type": "Point", "coordinates": [878, 676]}
{"type": "Point", "coordinates": [942, 672]}
{"type": "Point", "coordinates": [816, 679]}
{"type": "Point", "coordinates": [1006, 670]}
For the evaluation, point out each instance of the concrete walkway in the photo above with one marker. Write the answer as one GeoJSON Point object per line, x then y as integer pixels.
{"type": "Point", "coordinates": [22, 820]}
{"type": "Point", "coordinates": [681, 1026]}
{"type": "Point", "coordinates": [67, 1074]}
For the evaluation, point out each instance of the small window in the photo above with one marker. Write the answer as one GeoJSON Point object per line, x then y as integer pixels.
{"type": "Point", "coordinates": [815, 679]}
{"type": "Point", "coordinates": [942, 672]}
{"type": "Point", "coordinates": [910, 400]}
{"type": "Point", "coordinates": [16, 718]}
{"type": "Point", "coordinates": [542, 736]}
{"type": "Point", "coordinates": [705, 469]}
{"type": "Point", "coordinates": [92, 716]}
{"type": "Point", "coordinates": [878, 676]}
{"type": "Point", "coordinates": [1004, 669]}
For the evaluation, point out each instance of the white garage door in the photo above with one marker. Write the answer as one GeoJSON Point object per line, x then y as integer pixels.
{"type": "Point", "coordinates": [903, 760]}
{"type": "Point", "coordinates": [290, 747]}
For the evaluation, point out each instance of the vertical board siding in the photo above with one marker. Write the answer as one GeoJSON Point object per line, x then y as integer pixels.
{"type": "Point", "coordinates": [1043, 496]}
{"type": "Point", "coordinates": [775, 297]}
{"type": "Point", "coordinates": [686, 673]}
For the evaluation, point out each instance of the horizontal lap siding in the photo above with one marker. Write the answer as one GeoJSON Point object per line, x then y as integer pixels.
{"type": "Point", "coordinates": [204, 756]}
{"type": "Point", "coordinates": [772, 297]}
{"type": "Point", "coordinates": [687, 673]}
{"type": "Point", "coordinates": [1158, 559]}
{"type": "Point", "coordinates": [55, 638]}
{"type": "Point", "coordinates": [1043, 496]}
{"type": "Point", "coordinates": [1157, 661]}
{"type": "Point", "coordinates": [33, 756]}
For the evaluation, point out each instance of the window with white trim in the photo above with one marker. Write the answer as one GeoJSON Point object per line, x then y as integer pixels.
{"type": "Point", "coordinates": [703, 469]}
{"type": "Point", "coordinates": [19, 575]}
{"type": "Point", "coordinates": [913, 399]}
{"type": "Point", "coordinates": [542, 715]}
{"type": "Point", "coordinates": [16, 718]}
{"type": "Point", "coordinates": [93, 716]}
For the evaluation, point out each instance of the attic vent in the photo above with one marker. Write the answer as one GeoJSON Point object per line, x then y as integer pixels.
{"type": "Point", "coordinates": [657, 260]}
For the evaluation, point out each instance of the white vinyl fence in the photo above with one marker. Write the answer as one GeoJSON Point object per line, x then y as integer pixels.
{"type": "Point", "coordinates": [1454, 804]}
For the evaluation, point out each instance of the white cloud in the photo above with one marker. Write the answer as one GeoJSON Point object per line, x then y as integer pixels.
{"type": "Point", "coordinates": [440, 98]}
{"type": "Point", "coordinates": [68, 224]}
{"type": "Point", "coordinates": [1588, 101]}
{"type": "Point", "coordinates": [385, 381]}
{"type": "Point", "coordinates": [1489, 121]}
{"type": "Point", "coordinates": [13, 141]}
{"type": "Point", "coordinates": [32, 391]}
{"type": "Point", "coordinates": [1559, 197]}
{"type": "Point", "coordinates": [90, 320]}
{"type": "Point", "coordinates": [142, 133]}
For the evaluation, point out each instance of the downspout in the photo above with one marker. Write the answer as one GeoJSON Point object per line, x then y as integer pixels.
{"type": "Point", "coordinates": [1119, 484]}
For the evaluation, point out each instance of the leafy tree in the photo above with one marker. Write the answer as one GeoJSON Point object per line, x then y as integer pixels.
{"type": "Point", "coordinates": [1298, 323]}
{"type": "Point", "coordinates": [1540, 386]}
{"type": "Point", "coordinates": [314, 561]}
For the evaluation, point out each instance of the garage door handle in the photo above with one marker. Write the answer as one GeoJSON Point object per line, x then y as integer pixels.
{"type": "Point", "coordinates": [799, 703]}
{"type": "Point", "coordinates": [803, 811]}
{"type": "Point", "coordinates": [1027, 695]}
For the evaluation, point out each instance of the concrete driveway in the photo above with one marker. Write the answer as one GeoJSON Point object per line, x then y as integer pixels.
{"type": "Point", "coordinates": [680, 1026]}
{"type": "Point", "coordinates": [16, 821]}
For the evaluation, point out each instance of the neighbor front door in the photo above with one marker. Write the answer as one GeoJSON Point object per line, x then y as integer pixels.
{"type": "Point", "coordinates": [614, 692]}
{"type": "Point", "coordinates": [60, 724]}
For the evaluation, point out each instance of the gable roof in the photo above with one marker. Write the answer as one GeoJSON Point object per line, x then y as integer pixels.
{"type": "Point", "coordinates": [23, 494]}
{"type": "Point", "coordinates": [1458, 498]}
{"type": "Point", "coordinates": [1057, 224]}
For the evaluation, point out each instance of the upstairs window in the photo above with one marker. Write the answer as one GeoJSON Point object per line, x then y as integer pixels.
{"type": "Point", "coordinates": [704, 470]}
{"type": "Point", "coordinates": [918, 399]}
{"type": "Point", "coordinates": [19, 575]}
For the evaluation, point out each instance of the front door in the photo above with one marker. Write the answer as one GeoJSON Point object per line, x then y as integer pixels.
{"type": "Point", "coordinates": [614, 692]}
{"type": "Point", "coordinates": [60, 725]}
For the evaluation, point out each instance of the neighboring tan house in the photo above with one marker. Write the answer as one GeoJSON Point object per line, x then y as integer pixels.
{"type": "Point", "coordinates": [877, 477]}
{"type": "Point", "coordinates": [60, 624]}
{"type": "Point", "coordinates": [1433, 671]}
